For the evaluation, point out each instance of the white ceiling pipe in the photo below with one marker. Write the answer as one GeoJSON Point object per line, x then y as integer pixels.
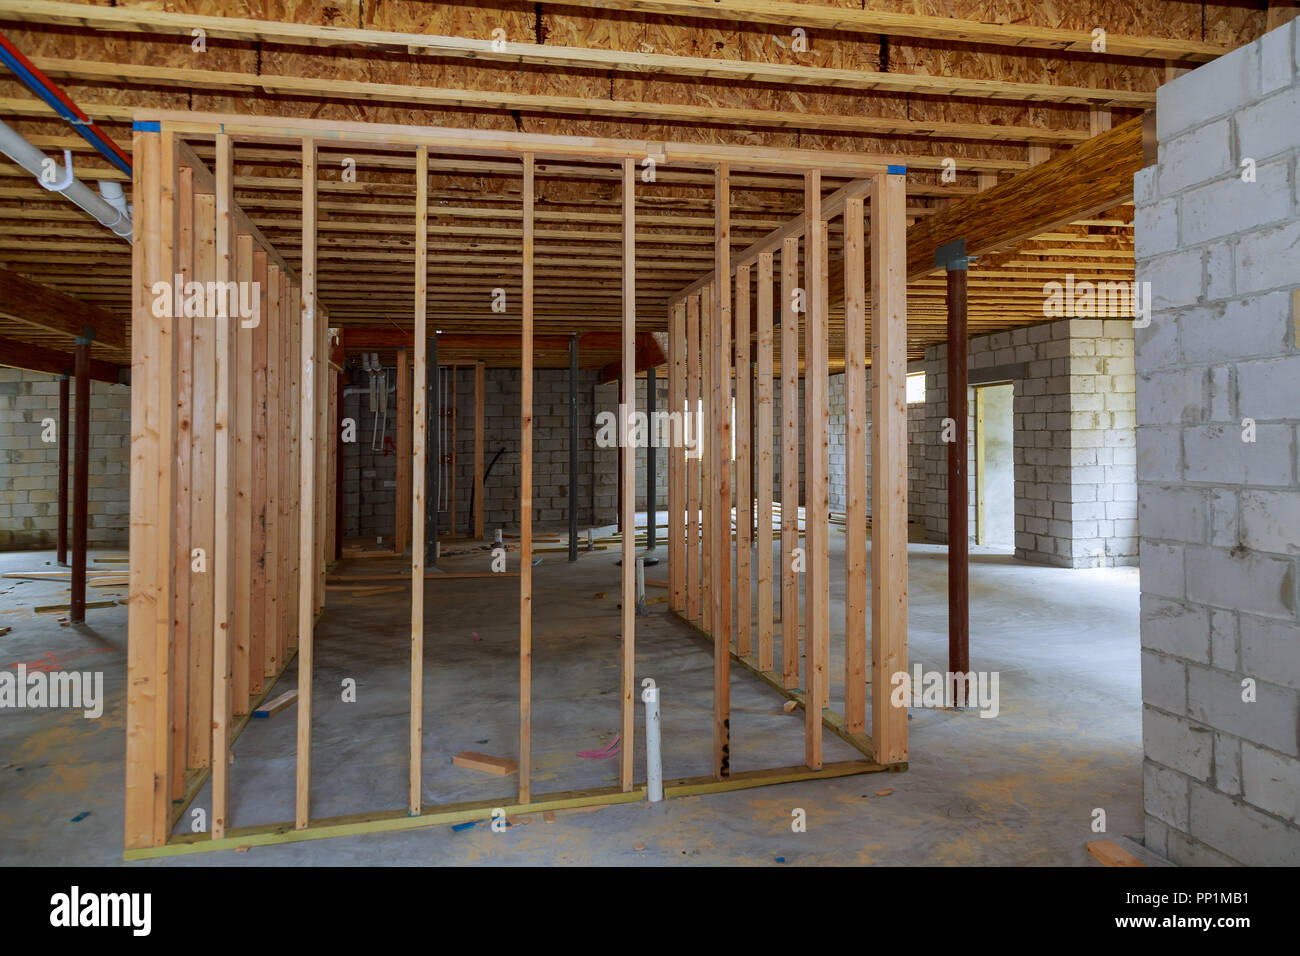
{"type": "Point", "coordinates": [32, 159]}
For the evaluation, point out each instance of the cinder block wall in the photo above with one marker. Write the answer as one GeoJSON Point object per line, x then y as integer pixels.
{"type": "Point", "coordinates": [369, 476]}
{"type": "Point", "coordinates": [1075, 470]}
{"type": "Point", "coordinates": [1219, 513]}
{"type": "Point", "coordinates": [838, 426]}
{"type": "Point", "coordinates": [29, 467]}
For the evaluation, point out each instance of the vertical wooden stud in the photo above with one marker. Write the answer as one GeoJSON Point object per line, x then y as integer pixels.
{"type": "Point", "coordinates": [526, 497]}
{"type": "Point", "coordinates": [765, 464]}
{"type": "Point", "coordinates": [419, 477]}
{"type": "Point", "coordinates": [744, 490]}
{"type": "Point", "coordinates": [789, 462]}
{"type": "Point", "coordinates": [691, 425]}
{"type": "Point", "coordinates": [855, 520]}
{"type": "Point", "coordinates": [311, 382]}
{"type": "Point", "coordinates": [888, 461]}
{"type": "Point", "coordinates": [628, 481]}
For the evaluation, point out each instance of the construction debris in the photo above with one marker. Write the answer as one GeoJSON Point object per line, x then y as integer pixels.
{"type": "Point", "coordinates": [470, 760]}
{"type": "Point", "coordinates": [274, 707]}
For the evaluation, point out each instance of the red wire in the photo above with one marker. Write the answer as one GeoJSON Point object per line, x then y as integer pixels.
{"type": "Point", "coordinates": [62, 97]}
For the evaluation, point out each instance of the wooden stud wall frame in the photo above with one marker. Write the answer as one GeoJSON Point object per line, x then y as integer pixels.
{"type": "Point", "coordinates": [233, 457]}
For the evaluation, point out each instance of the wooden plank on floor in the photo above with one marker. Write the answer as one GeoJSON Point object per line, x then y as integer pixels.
{"type": "Point", "coordinates": [1110, 853]}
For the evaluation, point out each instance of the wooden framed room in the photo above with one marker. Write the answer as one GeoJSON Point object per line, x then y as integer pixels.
{"type": "Point", "coordinates": [244, 470]}
{"type": "Point", "coordinates": [647, 432]}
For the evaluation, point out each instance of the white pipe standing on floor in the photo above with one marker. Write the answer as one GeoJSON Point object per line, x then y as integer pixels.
{"type": "Point", "coordinates": [654, 770]}
{"type": "Point", "coordinates": [33, 160]}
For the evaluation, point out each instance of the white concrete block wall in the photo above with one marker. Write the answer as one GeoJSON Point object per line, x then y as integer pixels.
{"type": "Point", "coordinates": [1075, 461]}
{"type": "Point", "coordinates": [370, 495]}
{"type": "Point", "coordinates": [1218, 513]}
{"type": "Point", "coordinates": [838, 462]}
{"type": "Point", "coordinates": [29, 467]}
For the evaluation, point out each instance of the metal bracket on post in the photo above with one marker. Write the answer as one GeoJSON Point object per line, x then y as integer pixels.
{"type": "Point", "coordinates": [952, 256]}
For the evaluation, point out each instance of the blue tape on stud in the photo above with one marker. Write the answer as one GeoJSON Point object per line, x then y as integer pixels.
{"type": "Point", "coordinates": [897, 170]}
{"type": "Point", "coordinates": [148, 126]}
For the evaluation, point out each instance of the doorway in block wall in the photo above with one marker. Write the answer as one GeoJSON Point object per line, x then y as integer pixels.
{"type": "Point", "coordinates": [995, 483]}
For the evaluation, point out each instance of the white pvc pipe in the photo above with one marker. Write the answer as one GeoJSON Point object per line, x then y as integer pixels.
{"type": "Point", "coordinates": [654, 770]}
{"type": "Point", "coordinates": [32, 159]}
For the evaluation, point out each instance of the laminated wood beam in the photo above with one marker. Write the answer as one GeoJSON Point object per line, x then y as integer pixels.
{"type": "Point", "coordinates": [526, 496]}
{"type": "Point", "coordinates": [419, 482]}
{"type": "Point", "coordinates": [307, 414]}
{"type": "Point", "coordinates": [888, 463]}
{"type": "Point", "coordinates": [1091, 177]}
{"type": "Point", "coordinates": [128, 20]}
{"type": "Point", "coordinates": [32, 303]}
{"type": "Point", "coordinates": [37, 358]}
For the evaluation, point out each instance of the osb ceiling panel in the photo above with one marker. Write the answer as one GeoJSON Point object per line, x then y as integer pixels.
{"type": "Point", "coordinates": [366, 253]}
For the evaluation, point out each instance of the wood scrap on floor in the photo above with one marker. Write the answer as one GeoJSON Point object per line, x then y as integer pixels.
{"type": "Point", "coordinates": [471, 760]}
{"type": "Point", "coordinates": [273, 707]}
{"type": "Point", "coordinates": [371, 592]}
{"type": "Point", "coordinates": [53, 608]}
{"type": "Point", "coordinates": [1110, 853]}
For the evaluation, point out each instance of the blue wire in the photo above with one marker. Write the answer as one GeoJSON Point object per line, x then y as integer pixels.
{"type": "Point", "coordinates": [59, 107]}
